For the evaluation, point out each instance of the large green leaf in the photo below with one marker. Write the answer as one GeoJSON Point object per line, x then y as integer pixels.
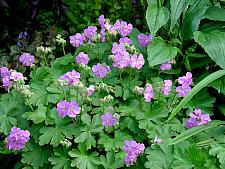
{"type": "Point", "coordinates": [177, 7]}
{"type": "Point", "coordinates": [159, 52]}
{"type": "Point", "coordinates": [192, 19]}
{"type": "Point", "coordinates": [213, 44]}
{"type": "Point", "coordinates": [156, 18]}
{"type": "Point", "coordinates": [37, 116]}
{"type": "Point", "coordinates": [215, 13]}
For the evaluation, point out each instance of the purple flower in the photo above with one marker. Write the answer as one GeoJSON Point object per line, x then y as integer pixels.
{"type": "Point", "coordinates": [157, 140]}
{"type": "Point", "coordinates": [144, 40]}
{"type": "Point", "coordinates": [101, 21]}
{"type": "Point", "coordinates": [77, 40]}
{"type": "Point", "coordinates": [6, 82]}
{"type": "Point", "coordinates": [115, 27]}
{"type": "Point", "coordinates": [166, 87]}
{"type": "Point", "coordinates": [121, 61]}
{"type": "Point", "coordinates": [185, 80]}
{"type": "Point", "coordinates": [26, 59]}
{"type": "Point", "coordinates": [197, 119]}
{"type": "Point", "coordinates": [118, 49]}
{"type": "Point", "coordinates": [71, 78]}
{"type": "Point", "coordinates": [65, 108]}
{"type": "Point", "coordinates": [100, 71]}
{"type": "Point", "coordinates": [17, 138]}
{"type": "Point", "coordinates": [15, 76]}
{"type": "Point", "coordinates": [108, 120]}
{"type": "Point", "coordinates": [4, 71]}
{"type": "Point", "coordinates": [137, 61]}
{"type": "Point", "coordinates": [125, 40]}
{"type": "Point", "coordinates": [62, 108]}
{"type": "Point", "coordinates": [132, 150]}
{"type": "Point", "coordinates": [90, 90]}
{"type": "Point", "coordinates": [166, 66]}
{"type": "Point", "coordinates": [125, 29]}
{"type": "Point", "coordinates": [148, 94]}
{"type": "Point", "coordinates": [73, 109]}
{"type": "Point", "coordinates": [90, 31]}
{"type": "Point", "coordinates": [82, 58]}
{"type": "Point", "coordinates": [183, 90]}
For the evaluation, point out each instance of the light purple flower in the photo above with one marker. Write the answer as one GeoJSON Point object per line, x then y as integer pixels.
{"type": "Point", "coordinates": [115, 27]}
{"type": "Point", "coordinates": [26, 59]}
{"type": "Point", "coordinates": [197, 118]}
{"type": "Point", "coordinates": [90, 31]}
{"type": "Point", "coordinates": [90, 90]}
{"type": "Point", "coordinates": [108, 120]}
{"type": "Point", "coordinates": [118, 49]}
{"type": "Point", "coordinates": [125, 29]}
{"type": "Point", "coordinates": [6, 82]}
{"type": "Point", "coordinates": [183, 90]}
{"type": "Point", "coordinates": [185, 80]}
{"type": "Point", "coordinates": [65, 108]}
{"type": "Point", "coordinates": [4, 71]}
{"type": "Point", "coordinates": [77, 40]}
{"type": "Point", "coordinates": [132, 150]}
{"type": "Point", "coordinates": [73, 109]}
{"type": "Point", "coordinates": [71, 78]}
{"type": "Point", "coordinates": [99, 70]}
{"type": "Point", "coordinates": [148, 94]}
{"type": "Point", "coordinates": [101, 21]}
{"type": "Point", "coordinates": [121, 61]}
{"type": "Point", "coordinates": [157, 140]}
{"type": "Point", "coordinates": [82, 58]}
{"type": "Point", "coordinates": [166, 87]}
{"type": "Point", "coordinates": [17, 138]}
{"type": "Point", "coordinates": [125, 40]}
{"type": "Point", "coordinates": [166, 66]}
{"type": "Point", "coordinates": [137, 61]}
{"type": "Point", "coordinates": [62, 108]}
{"type": "Point", "coordinates": [144, 40]}
{"type": "Point", "coordinates": [15, 76]}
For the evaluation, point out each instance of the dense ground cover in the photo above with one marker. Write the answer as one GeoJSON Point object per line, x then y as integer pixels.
{"type": "Point", "coordinates": [120, 98]}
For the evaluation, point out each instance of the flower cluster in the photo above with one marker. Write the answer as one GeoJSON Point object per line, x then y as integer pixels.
{"type": "Point", "coordinates": [148, 93]}
{"type": "Point", "coordinates": [77, 40]}
{"type": "Point", "coordinates": [197, 118]}
{"type": "Point", "coordinates": [132, 150]}
{"type": "Point", "coordinates": [66, 108]}
{"type": "Point", "coordinates": [26, 59]}
{"type": "Point", "coordinates": [90, 32]}
{"type": "Point", "coordinates": [185, 82]}
{"type": "Point", "coordinates": [71, 78]}
{"type": "Point", "coordinates": [22, 41]}
{"type": "Point", "coordinates": [100, 70]}
{"type": "Point", "coordinates": [82, 58]}
{"type": "Point", "coordinates": [144, 40]}
{"type": "Point", "coordinates": [166, 66]}
{"type": "Point", "coordinates": [108, 120]}
{"type": "Point", "coordinates": [17, 138]}
{"type": "Point", "coordinates": [121, 58]}
{"type": "Point", "coordinates": [166, 87]}
{"type": "Point", "coordinates": [8, 77]}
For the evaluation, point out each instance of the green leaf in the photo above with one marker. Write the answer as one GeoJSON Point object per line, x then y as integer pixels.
{"type": "Point", "coordinates": [38, 116]}
{"type": "Point", "coordinates": [110, 161]}
{"type": "Point", "coordinates": [60, 160]}
{"type": "Point", "coordinates": [61, 130]}
{"type": "Point", "coordinates": [39, 74]}
{"type": "Point", "coordinates": [195, 130]}
{"type": "Point", "coordinates": [87, 134]}
{"type": "Point", "coordinates": [55, 93]}
{"type": "Point", "coordinates": [207, 80]}
{"type": "Point", "coordinates": [84, 160]}
{"type": "Point", "coordinates": [159, 52]}
{"type": "Point", "coordinates": [219, 85]}
{"type": "Point", "coordinates": [215, 13]}
{"type": "Point", "coordinates": [177, 7]}
{"type": "Point", "coordinates": [35, 156]}
{"type": "Point", "coordinates": [192, 19]}
{"type": "Point", "coordinates": [213, 44]}
{"type": "Point", "coordinates": [156, 18]}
